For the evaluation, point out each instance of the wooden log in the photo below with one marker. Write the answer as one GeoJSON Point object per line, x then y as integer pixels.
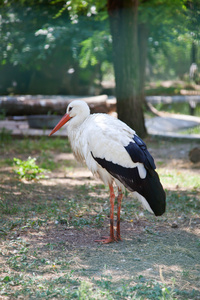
{"type": "Point", "coordinates": [192, 100]}
{"type": "Point", "coordinates": [171, 99]}
{"type": "Point", "coordinates": [30, 105]}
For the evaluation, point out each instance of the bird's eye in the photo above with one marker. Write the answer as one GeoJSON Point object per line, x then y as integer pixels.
{"type": "Point", "coordinates": [70, 108]}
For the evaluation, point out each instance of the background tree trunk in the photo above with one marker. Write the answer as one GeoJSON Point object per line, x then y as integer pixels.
{"type": "Point", "coordinates": [193, 53]}
{"type": "Point", "coordinates": [143, 34]}
{"type": "Point", "coordinates": [124, 30]}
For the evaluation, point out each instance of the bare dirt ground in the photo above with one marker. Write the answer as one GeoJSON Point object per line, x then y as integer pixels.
{"type": "Point", "coordinates": [165, 249]}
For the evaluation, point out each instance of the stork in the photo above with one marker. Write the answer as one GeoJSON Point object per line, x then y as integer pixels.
{"type": "Point", "coordinates": [114, 152]}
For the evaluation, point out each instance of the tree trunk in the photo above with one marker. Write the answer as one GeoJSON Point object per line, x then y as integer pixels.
{"type": "Point", "coordinates": [193, 53]}
{"type": "Point", "coordinates": [143, 33]}
{"type": "Point", "coordinates": [124, 29]}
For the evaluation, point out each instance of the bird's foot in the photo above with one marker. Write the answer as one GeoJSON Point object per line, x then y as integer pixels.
{"type": "Point", "coordinates": [106, 240]}
{"type": "Point", "coordinates": [118, 238]}
{"type": "Point", "coordinates": [109, 239]}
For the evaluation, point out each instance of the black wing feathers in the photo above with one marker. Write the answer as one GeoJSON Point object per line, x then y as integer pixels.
{"type": "Point", "coordinates": [149, 187]}
{"type": "Point", "coordinates": [139, 153]}
{"type": "Point", "coordinates": [124, 175]}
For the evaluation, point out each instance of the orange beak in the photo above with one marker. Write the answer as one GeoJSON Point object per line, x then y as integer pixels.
{"type": "Point", "coordinates": [62, 122]}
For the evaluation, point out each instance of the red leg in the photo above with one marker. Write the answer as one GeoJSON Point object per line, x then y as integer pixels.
{"type": "Point", "coordinates": [119, 201]}
{"type": "Point", "coordinates": [112, 200]}
{"type": "Point", "coordinates": [111, 238]}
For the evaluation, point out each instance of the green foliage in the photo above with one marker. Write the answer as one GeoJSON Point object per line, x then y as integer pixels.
{"type": "Point", "coordinates": [5, 136]}
{"type": "Point", "coordinates": [2, 114]}
{"type": "Point", "coordinates": [92, 50]}
{"type": "Point", "coordinates": [28, 169]}
{"type": "Point", "coordinates": [64, 36]}
{"type": "Point", "coordinates": [89, 8]}
{"type": "Point", "coordinates": [45, 59]}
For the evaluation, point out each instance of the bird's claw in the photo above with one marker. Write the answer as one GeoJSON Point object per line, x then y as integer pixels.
{"type": "Point", "coordinates": [108, 239]}
{"type": "Point", "coordinates": [118, 238]}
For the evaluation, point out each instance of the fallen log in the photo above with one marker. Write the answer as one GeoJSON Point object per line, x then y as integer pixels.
{"type": "Point", "coordinates": [34, 105]}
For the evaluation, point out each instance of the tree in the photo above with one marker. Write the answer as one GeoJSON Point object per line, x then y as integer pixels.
{"type": "Point", "coordinates": [123, 16]}
{"type": "Point", "coordinates": [130, 41]}
{"type": "Point", "coordinates": [193, 18]}
{"type": "Point", "coordinates": [139, 29]}
{"type": "Point", "coordinates": [44, 54]}
{"type": "Point", "coordinates": [124, 27]}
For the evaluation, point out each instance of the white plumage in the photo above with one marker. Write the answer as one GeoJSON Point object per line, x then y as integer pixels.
{"type": "Point", "coordinates": [114, 152]}
{"type": "Point", "coordinates": [105, 137]}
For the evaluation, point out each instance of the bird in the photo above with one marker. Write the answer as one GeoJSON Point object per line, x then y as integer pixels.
{"type": "Point", "coordinates": [117, 155]}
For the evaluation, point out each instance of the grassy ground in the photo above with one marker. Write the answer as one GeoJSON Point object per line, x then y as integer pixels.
{"type": "Point", "coordinates": [48, 227]}
{"type": "Point", "coordinates": [173, 88]}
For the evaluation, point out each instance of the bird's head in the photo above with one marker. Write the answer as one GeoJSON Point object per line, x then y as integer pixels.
{"type": "Point", "coordinates": [77, 112]}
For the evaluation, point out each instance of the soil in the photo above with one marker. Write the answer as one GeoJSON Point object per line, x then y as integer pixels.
{"type": "Point", "coordinates": [163, 249]}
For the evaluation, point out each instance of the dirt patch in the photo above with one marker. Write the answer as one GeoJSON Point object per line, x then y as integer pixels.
{"type": "Point", "coordinates": [151, 250]}
{"type": "Point", "coordinates": [164, 249]}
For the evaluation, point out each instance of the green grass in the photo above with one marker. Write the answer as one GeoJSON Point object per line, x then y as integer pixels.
{"type": "Point", "coordinates": [30, 265]}
{"type": "Point", "coordinates": [174, 89]}
{"type": "Point", "coordinates": [31, 145]}
{"type": "Point", "coordinates": [176, 108]}
{"type": "Point", "coordinates": [67, 211]}
{"type": "Point", "coordinates": [39, 262]}
{"type": "Point", "coordinates": [160, 90]}
{"type": "Point", "coordinates": [40, 149]}
{"type": "Point", "coordinates": [179, 178]}
{"type": "Point", "coordinates": [194, 130]}
{"type": "Point", "coordinates": [65, 285]}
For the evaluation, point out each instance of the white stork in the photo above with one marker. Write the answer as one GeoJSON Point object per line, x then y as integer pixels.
{"type": "Point", "coordinates": [114, 152]}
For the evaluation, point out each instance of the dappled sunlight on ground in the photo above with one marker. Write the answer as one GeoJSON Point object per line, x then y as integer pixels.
{"type": "Point", "coordinates": [49, 227]}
